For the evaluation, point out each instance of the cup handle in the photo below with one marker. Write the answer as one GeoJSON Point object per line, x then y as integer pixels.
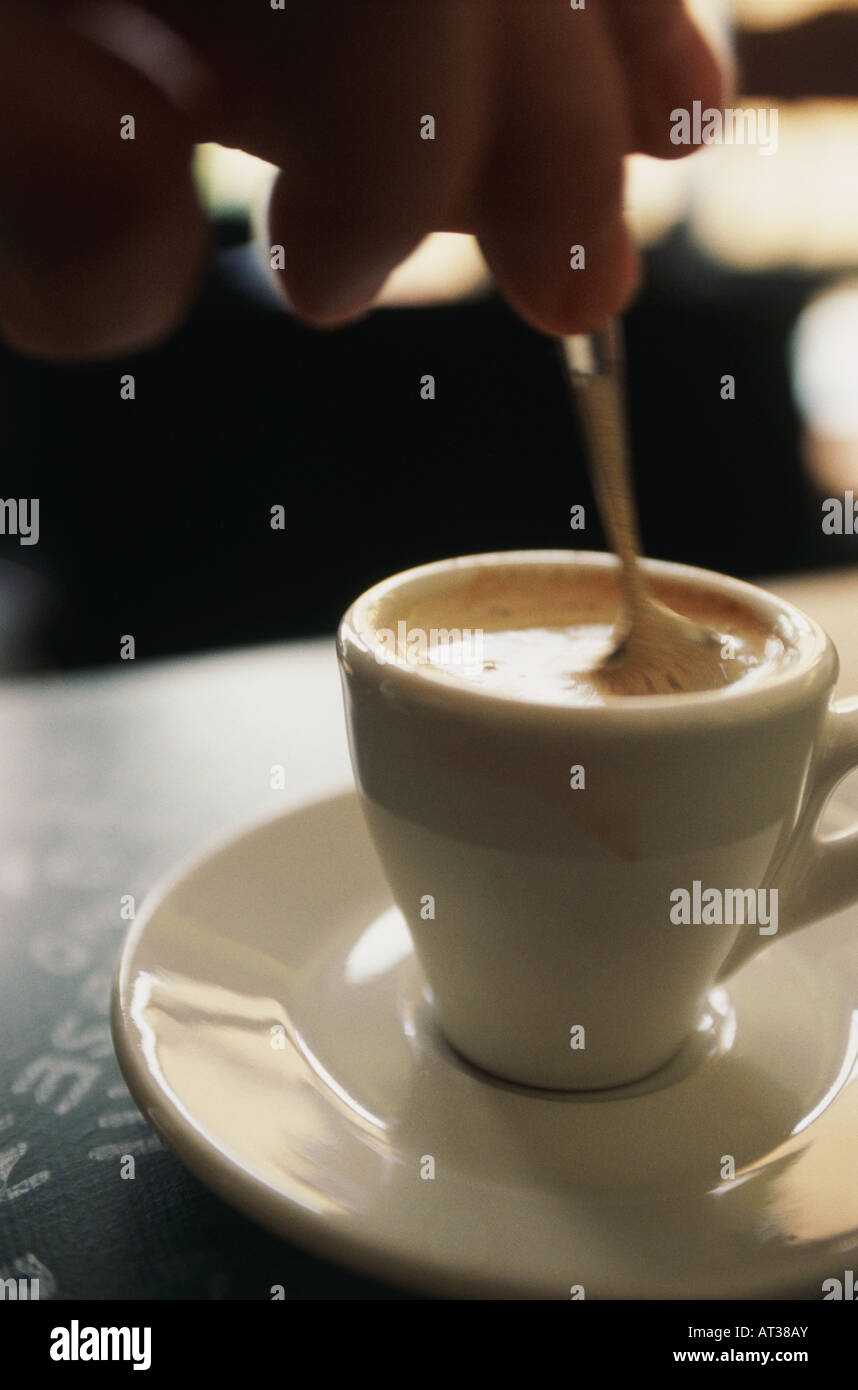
{"type": "Point", "coordinates": [815, 877]}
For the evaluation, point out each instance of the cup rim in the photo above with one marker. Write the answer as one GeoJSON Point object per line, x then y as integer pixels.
{"type": "Point", "coordinates": [816, 664]}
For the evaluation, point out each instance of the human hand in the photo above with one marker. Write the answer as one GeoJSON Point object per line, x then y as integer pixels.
{"type": "Point", "coordinates": [535, 104]}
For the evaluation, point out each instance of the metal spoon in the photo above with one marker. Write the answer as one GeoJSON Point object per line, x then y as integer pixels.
{"type": "Point", "coordinates": [657, 651]}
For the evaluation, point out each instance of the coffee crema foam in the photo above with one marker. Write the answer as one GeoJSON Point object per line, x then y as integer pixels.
{"type": "Point", "coordinates": [542, 637]}
{"type": "Point", "coordinates": [553, 665]}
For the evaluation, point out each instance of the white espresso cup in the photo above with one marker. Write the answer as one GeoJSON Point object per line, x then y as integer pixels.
{"type": "Point", "coordinates": [568, 923]}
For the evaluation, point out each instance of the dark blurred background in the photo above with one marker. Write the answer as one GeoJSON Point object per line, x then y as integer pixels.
{"type": "Point", "coordinates": [155, 512]}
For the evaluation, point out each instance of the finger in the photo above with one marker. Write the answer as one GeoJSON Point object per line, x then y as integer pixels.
{"type": "Point", "coordinates": [404, 94]}
{"type": "Point", "coordinates": [102, 240]}
{"type": "Point", "coordinates": [667, 65]}
{"type": "Point", "coordinates": [554, 179]}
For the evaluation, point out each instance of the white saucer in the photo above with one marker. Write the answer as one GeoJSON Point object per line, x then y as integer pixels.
{"type": "Point", "coordinates": [286, 935]}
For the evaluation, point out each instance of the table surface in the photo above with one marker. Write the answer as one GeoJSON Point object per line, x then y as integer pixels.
{"type": "Point", "coordinates": [106, 779]}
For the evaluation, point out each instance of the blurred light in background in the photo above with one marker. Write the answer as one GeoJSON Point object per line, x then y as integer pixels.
{"type": "Point", "coordinates": [446, 266]}
{"type": "Point", "coordinates": [798, 207]}
{"type": "Point", "coordinates": [774, 13]}
{"type": "Point", "coordinates": [824, 353]}
{"type": "Point", "coordinates": [232, 181]}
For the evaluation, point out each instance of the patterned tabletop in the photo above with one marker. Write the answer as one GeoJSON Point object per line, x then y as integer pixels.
{"type": "Point", "coordinates": [105, 780]}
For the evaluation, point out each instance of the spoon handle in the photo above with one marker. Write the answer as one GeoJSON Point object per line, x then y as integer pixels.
{"type": "Point", "coordinates": [594, 362]}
